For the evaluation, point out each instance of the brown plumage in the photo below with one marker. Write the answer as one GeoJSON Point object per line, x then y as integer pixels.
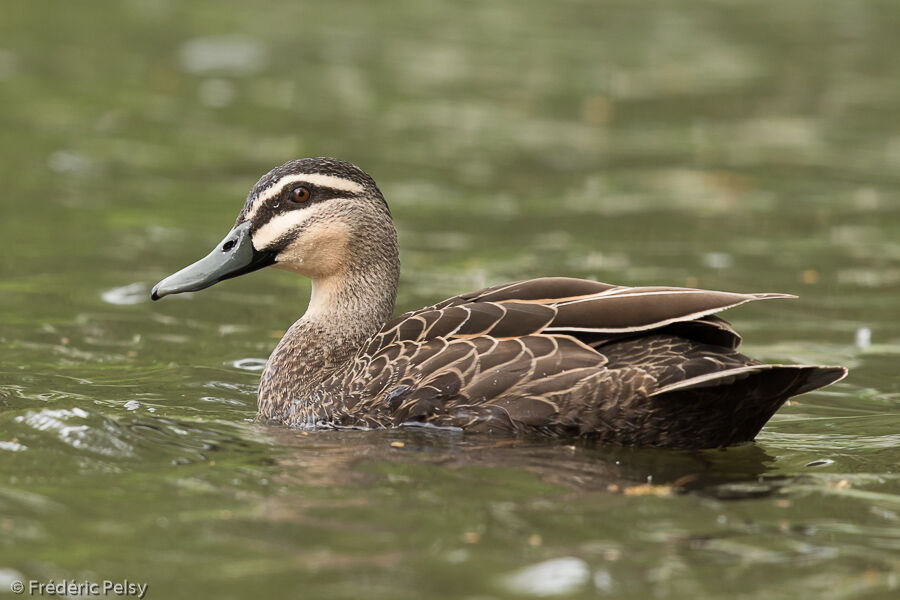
{"type": "Point", "coordinates": [558, 356]}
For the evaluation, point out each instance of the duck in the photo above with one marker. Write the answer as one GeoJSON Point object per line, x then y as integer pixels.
{"type": "Point", "coordinates": [553, 356]}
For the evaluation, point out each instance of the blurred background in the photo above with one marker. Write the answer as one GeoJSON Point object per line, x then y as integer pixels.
{"type": "Point", "coordinates": [731, 144]}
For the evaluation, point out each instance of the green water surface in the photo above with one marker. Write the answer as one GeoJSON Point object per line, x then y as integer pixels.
{"type": "Point", "coordinates": [740, 145]}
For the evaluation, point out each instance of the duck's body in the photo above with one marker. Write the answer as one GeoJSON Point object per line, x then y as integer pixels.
{"type": "Point", "coordinates": [560, 356]}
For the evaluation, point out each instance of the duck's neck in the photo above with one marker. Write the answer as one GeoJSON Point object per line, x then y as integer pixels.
{"type": "Point", "coordinates": [344, 311]}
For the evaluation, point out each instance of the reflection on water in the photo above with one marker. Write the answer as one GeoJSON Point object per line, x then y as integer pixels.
{"type": "Point", "coordinates": [747, 146]}
{"type": "Point", "coordinates": [575, 464]}
{"type": "Point", "coordinates": [228, 54]}
{"type": "Point", "coordinates": [552, 577]}
{"type": "Point", "coordinates": [133, 293]}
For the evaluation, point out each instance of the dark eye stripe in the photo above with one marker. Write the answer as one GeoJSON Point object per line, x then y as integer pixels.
{"type": "Point", "coordinates": [317, 193]}
{"type": "Point", "coordinates": [283, 201]}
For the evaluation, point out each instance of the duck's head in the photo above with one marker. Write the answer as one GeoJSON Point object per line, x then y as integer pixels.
{"type": "Point", "coordinates": [321, 217]}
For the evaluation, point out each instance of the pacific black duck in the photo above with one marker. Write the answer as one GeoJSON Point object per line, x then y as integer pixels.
{"type": "Point", "coordinates": [648, 366]}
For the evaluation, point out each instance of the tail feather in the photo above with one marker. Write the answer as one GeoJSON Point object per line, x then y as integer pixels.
{"type": "Point", "coordinates": [814, 377]}
{"type": "Point", "coordinates": [820, 377]}
{"type": "Point", "coordinates": [732, 406]}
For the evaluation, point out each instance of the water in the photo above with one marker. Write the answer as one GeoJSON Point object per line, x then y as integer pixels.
{"type": "Point", "coordinates": [735, 145]}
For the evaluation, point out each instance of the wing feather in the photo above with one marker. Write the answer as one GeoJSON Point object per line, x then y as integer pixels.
{"type": "Point", "coordinates": [595, 313]}
{"type": "Point", "coordinates": [642, 309]}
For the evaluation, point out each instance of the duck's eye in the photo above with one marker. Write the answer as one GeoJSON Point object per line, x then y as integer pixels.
{"type": "Point", "coordinates": [300, 194]}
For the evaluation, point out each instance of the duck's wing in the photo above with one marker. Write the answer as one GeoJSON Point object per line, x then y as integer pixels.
{"type": "Point", "coordinates": [593, 312]}
{"type": "Point", "coordinates": [534, 353]}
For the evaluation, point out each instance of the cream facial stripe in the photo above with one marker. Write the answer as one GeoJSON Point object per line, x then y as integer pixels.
{"type": "Point", "coordinates": [280, 225]}
{"type": "Point", "coordinates": [319, 179]}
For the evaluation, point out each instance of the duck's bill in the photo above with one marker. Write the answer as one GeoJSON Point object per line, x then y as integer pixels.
{"type": "Point", "coordinates": [233, 256]}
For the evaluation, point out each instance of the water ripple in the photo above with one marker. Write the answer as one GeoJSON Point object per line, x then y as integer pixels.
{"type": "Point", "coordinates": [79, 429]}
{"type": "Point", "coordinates": [249, 364]}
{"type": "Point", "coordinates": [549, 578]}
{"type": "Point", "coordinates": [133, 293]}
{"type": "Point", "coordinates": [231, 54]}
{"type": "Point", "coordinates": [12, 446]}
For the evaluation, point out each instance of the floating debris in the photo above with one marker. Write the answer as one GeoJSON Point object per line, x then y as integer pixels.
{"type": "Point", "coordinates": [648, 489]}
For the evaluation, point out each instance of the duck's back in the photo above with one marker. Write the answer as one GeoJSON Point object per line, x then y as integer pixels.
{"type": "Point", "coordinates": [647, 366]}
